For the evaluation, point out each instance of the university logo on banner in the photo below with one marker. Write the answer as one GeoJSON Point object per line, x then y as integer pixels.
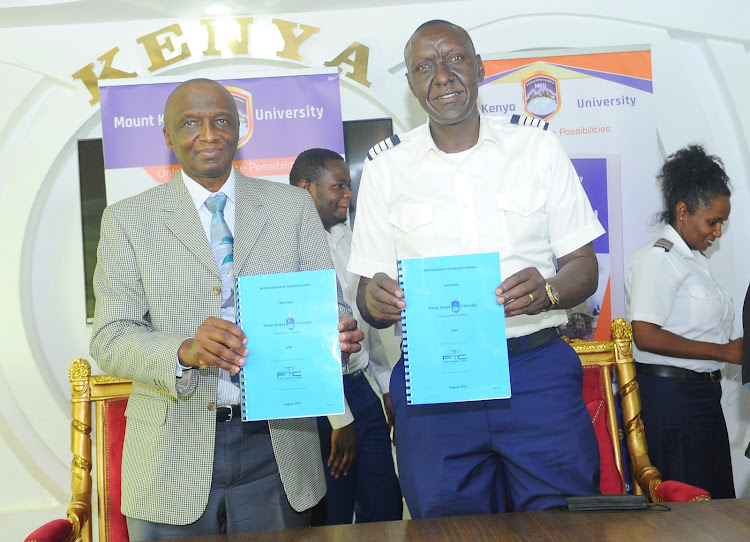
{"type": "Point", "coordinates": [541, 96]}
{"type": "Point", "coordinates": [607, 128]}
{"type": "Point", "coordinates": [280, 115]}
{"type": "Point", "coordinates": [244, 101]}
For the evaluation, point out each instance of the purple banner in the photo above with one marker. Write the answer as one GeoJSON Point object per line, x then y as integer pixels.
{"type": "Point", "coordinates": [280, 117]}
{"type": "Point", "coordinates": [593, 174]}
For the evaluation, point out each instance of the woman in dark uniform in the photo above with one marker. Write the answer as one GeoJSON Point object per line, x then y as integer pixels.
{"type": "Point", "coordinates": [682, 320]}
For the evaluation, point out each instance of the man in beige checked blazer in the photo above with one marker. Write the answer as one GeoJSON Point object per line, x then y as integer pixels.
{"type": "Point", "coordinates": [189, 467]}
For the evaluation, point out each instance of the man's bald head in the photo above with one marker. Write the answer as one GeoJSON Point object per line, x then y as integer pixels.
{"type": "Point", "coordinates": [201, 126]}
{"type": "Point", "coordinates": [444, 73]}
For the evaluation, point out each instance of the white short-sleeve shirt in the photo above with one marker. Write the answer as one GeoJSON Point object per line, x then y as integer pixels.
{"type": "Point", "coordinates": [371, 357]}
{"type": "Point", "coordinates": [675, 290]}
{"type": "Point", "coordinates": [515, 192]}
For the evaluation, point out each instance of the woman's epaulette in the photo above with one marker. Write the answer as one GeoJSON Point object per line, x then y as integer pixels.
{"type": "Point", "coordinates": [666, 244]}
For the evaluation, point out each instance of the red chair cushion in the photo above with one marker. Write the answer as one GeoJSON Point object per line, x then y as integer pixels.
{"type": "Point", "coordinates": [56, 530]}
{"type": "Point", "coordinates": [114, 424]}
{"type": "Point", "coordinates": [595, 399]}
{"type": "Point", "coordinates": [674, 491]}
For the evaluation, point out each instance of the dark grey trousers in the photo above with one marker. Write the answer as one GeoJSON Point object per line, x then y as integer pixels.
{"type": "Point", "coordinates": [246, 492]}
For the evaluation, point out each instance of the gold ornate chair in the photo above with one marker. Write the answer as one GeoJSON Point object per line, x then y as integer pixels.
{"type": "Point", "coordinates": [600, 360]}
{"type": "Point", "coordinates": [109, 396]}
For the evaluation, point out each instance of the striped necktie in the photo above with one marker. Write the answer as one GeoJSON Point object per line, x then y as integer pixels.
{"type": "Point", "coordinates": [222, 245]}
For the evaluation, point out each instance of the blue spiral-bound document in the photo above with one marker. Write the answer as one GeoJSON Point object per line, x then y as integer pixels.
{"type": "Point", "coordinates": [454, 331]}
{"type": "Point", "coordinates": [293, 368]}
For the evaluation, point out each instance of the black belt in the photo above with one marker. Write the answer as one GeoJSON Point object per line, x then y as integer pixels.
{"type": "Point", "coordinates": [667, 371]}
{"type": "Point", "coordinates": [353, 376]}
{"type": "Point", "coordinates": [519, 345]}
{"type": "Point", "coordinates": [225, 413]}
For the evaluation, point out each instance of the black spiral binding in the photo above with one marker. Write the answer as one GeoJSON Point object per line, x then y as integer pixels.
{"type": "Point", "coordinates": [243, 386]}
{"type": "Point", "coordinates": [405, 337]}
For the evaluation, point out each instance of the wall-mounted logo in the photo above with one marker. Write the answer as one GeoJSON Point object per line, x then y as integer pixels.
{"type": "Point", "coordinates": [455, 305]}
{"type": "Point", "coordinates": [541, 96]}
{"type": "Point", "coordinates": [244, 101]}
{"type": "Point", "coordinates": [290, 323]}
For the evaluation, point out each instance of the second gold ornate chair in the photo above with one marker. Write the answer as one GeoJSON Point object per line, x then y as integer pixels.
{"type": "Point", "coordinates": [109, 397]}
{"type": "Point", "coordinates": [600, 360]}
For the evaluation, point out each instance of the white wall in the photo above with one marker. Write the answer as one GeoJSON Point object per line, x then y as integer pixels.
{"type": "Point", "coordinates": [701, 70]}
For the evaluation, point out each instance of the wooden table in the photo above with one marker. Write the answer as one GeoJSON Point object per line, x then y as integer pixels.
{"type": "Point", "coordinates": [708, 521]}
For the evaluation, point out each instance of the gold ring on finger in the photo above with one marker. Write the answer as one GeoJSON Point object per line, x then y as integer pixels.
{"type": "Point", "coordinates": [531, 296]}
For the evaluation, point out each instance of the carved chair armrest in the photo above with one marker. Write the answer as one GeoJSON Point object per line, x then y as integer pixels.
{"type": "Point", "coordinates": [57, 530]}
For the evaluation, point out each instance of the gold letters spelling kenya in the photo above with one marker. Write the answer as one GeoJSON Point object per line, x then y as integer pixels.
{"type": "Point", "coordinates": [162, 43]}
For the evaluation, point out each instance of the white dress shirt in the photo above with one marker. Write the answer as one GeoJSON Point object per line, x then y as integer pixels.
{"type": "Point", "coordinates": [227, 393]}
{"type": "Point", "coordinates": [371, 357]}
{"type": "Point", "coordinates": [675, 290]}
{"type": "Point", "coordinates": [515, 192]}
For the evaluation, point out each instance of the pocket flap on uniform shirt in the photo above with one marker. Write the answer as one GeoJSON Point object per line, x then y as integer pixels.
{"type": "Point", "coordinates": [147, 408]}
{"type": "Point", "coordinates": [700, 291]}
{"type": "Point", "coordinates": [520, 203]}
{"type": "Point", "coordinates": [409, 217]}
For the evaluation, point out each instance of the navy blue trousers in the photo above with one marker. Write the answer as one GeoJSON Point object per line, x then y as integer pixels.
{"type": "Point", "coordinates": [528, 452]}
{"type": "Point", "coordinates": [686, 433]}
{"type": "Point", "coordinates": [371, 488]}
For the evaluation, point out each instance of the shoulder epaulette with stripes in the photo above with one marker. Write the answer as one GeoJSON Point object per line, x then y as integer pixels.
{"type": "Point", "coordinates": [387, 143]}
{"type": "Point", "coordinates": [666, 244]}
{"type": "Point", "coordinates": [529, 121]}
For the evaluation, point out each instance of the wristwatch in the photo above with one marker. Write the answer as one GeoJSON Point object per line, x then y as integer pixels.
{"type": "Point", "coordinates": [554, 297]}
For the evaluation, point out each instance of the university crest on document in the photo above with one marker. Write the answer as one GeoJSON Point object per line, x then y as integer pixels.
{"type": "Point", "coordinates": [290, 323]}
{"type": "Point", "coordinates": [244, 101]}
{"type": "Point", "coordinates": [541, 96]}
